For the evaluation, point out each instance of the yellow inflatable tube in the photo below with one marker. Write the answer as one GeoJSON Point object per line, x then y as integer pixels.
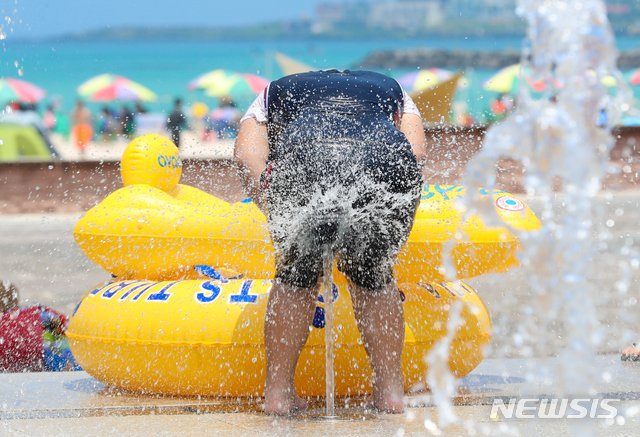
{"type": "Point", "coordinates": [205, 337]}
{"type": "Point", "coordinates": [155, 228]}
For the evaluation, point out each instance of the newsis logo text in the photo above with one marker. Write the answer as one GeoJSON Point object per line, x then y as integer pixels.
{"type": "Point", "coordinates": [550, 408]}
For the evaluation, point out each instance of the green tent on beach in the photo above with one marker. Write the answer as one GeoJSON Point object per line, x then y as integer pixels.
{"type": "Point", "coordinates": [20, 143]}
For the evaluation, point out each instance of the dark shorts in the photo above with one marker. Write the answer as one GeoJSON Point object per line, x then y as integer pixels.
{"type": "Point", "coordinates": [359, 199]}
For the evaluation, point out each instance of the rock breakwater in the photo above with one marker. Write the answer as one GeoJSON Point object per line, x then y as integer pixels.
{"type": "Point", "coordinates": [428, 58]}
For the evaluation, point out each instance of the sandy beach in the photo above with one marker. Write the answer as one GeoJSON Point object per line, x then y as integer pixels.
{"type": "Point", "coordinates": [192, 147]}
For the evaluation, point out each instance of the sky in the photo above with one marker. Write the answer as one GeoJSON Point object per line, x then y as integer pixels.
{"type": "Point", "coordinates": [46, 18]}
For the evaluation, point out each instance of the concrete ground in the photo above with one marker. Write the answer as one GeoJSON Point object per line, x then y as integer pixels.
{"type": "Point", "coordinates": [74, 404]}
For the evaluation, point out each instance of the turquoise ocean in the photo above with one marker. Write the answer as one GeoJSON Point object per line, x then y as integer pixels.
{"type": "Point", "coordinates": [167, 66]}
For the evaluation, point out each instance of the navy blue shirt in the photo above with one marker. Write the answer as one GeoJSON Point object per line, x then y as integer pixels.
{"type": "Point", "coordinates": [333, 105]}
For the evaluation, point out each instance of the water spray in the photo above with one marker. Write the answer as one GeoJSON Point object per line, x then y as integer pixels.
{"type": "Point", "coordinates": [563, 137]}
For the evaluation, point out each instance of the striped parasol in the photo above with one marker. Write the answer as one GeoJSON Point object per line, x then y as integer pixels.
{"type": "Point", "coordinates": [20, 90]}
{"type": "Point", "coordinates": [220, 83]}
{"type": "Point", "coordinates": [109, 87]}
{"type": "Point", "coordinates": [423, 79]}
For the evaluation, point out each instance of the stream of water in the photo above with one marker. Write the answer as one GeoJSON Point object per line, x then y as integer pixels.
{"type": "Point", "coordinates": [327, 294]}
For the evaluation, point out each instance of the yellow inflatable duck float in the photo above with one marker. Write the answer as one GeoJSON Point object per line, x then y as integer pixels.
{"type": "Point", "coordinates": [155, 228]}
{"type": "Point", "coordinates": [185, 312]}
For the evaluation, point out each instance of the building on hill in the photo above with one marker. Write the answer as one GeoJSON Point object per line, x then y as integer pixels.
{"type": "Point", "coordinates": [408, 15]}
{"type": "Point", "coordinates": [414, 15]}
{"type": "Point", "coordinates": [479, 9]}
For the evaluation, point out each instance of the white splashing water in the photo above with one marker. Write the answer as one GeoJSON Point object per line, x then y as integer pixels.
{"type": "Point", "coordinates": [566, 133]}
{"type": "Point", "coordinates": [442, 383]}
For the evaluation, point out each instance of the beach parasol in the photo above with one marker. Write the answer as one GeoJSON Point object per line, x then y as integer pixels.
{"type": "Point", "coordinates": [508, 79]}
{"type": "Point", "coordinates": [423, 79]}
{"type": "Point", "coordinates": [504, 80]}
{"type": "Point", "coordinates": [635, 77]}
{"type": "Point", "coordinates": [109, 87]}
{"type": "Point", "coordinates": [609, 80]}
{"type": "Point", "coordinates": [20, 90]}
{"type": "Point", "coordinates": [220, 83]}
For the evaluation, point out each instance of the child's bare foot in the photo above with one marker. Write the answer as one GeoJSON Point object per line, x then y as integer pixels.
{"type": "Point", "coordinates": [283, 403]}
{"type": "Point", "coordinates": [389, 404]}
{"type": "Point", "coordinates": [630, 354]}
{"type": "Point", "coordinates": [384, 406]}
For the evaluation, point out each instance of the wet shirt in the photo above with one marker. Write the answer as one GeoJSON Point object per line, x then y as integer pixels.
{"type": "Point", "coordinates": [332, 105]}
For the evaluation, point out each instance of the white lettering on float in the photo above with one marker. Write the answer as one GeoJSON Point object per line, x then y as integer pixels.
{"type": "Point", "coordinates": [110, 290]}
{"type": "Point", "coordinates": [244, 296]}
{"type": "Point", "coordinates": [144, 290]}
{"type": "Point", "coordinates": [162, 295]}
{"type": "Point", "coordinates": [144, 284]}
{"type": "Point", "coordinates": [210, 292]}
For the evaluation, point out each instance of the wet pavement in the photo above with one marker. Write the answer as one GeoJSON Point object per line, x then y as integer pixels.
{"type": "Point", "coordinates": [74, 404]}
{"type": "Point", "coordinates": [40, 256]}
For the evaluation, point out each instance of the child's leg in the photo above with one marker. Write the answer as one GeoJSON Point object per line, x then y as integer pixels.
{"type": "Point", "coordinates": [289, 314]}
{"type": "Point", "coordinates": [380, 320]}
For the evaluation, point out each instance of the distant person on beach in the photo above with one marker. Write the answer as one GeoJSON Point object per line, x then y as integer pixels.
{"type": "Point", "coordinates": [107, 124]}
{"type": "Point", "coordinates": [176, 122]}
{"type": "Point", "coordinates": [82, 131]}
{"type": "Point", "coordinates": [631, 353]}
{"type": "Point", "coordinates": [62, 119]}
{"type": "Point", "coordinates": [32, 338]}
{"type": "Point", "coordinates": [49, 119]}
{"type": "Point", "coordinates": [226, 119]}
{"type": "Point", "coordinates": [127, 122]}
{"type": "Point", "coordinates": [139, 109]}
{"type": "Point", "coordinates": [333, 159]}
{"type": "Point", "coordinates": [200, 121]}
